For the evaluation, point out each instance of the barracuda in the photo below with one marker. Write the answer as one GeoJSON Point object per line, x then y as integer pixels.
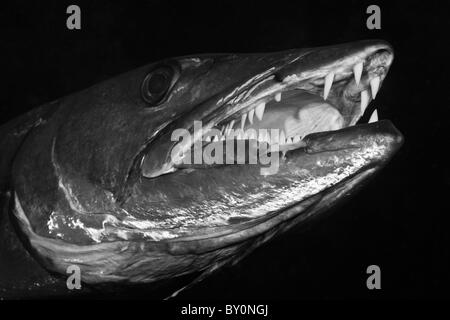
{"type": "Point", "coordinates": [96, 179]}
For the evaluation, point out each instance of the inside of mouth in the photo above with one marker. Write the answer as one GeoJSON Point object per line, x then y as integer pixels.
{"type": "Point", "coordinates": [297, 115]}
{"type": "Point", "coordinates": [281, 122]}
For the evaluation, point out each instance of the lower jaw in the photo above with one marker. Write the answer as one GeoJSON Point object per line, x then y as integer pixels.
{"type": "Point", "coordinates": [241, 189]}
{"type": "Point", "coordinates": [285, 218]}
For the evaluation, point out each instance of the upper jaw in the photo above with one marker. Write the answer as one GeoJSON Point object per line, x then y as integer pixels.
{"type": "Point", "coordinates": [349, 83]}
{"type": "Point", "coordinates": [349, 78]}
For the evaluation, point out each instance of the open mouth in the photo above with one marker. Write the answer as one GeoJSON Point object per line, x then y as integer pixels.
{"type": "Point", "coordinates": [280, 110]}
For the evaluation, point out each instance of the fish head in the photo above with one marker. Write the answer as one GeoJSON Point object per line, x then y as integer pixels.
{"type": "Point", "coordinates": [201, 152]}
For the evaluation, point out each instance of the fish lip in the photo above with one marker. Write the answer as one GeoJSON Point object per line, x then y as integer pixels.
{"type": "Point", "coordinates": [382, 132]}
{"type": "Point", "coordinates": [283, 76]}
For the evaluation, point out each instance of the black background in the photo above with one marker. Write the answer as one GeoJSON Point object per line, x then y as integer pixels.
{"type": "Point", "coordinates": [399, 221]}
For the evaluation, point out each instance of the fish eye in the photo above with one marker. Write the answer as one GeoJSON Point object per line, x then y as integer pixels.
{"type": "Point", "coordinates": [158, 82]}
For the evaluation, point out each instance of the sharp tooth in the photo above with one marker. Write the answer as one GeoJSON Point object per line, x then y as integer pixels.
{"type": "Point", "coordinates": [282, 137]}
{"type": "Point", "coordinates": [364, 100]}
{"type": "Point", "coordinates": [274, 139]}
{"type": "Point", "coordinates": [259, 110]}
{"type": "Point", "coordinates": [260, 135]}
{"type": "Point", "coordinates": [328, 83]}
{"type": "Point", "coordinates": [243, 118]}
{"type": "Point", "coordinates": [296, 139]}
{"type": "Point", "coordinates": [375, 85]}
{"type": "Point", "coordinates": [289, 140]}
{"type": "Point", "coordinates": [374, 116]}
{"type": "Point", "coordinates": [222, 138]}
{"type": "Point", "coordinates": [222, 130]}
{"type": "Point", "coordinates": [263, 136]}
{"type": "Point", "coordinates": [252, 135]}
{"type": "Point", "coordinates": [227, 130]}
{"type": "Point", "coordinates": [357, 71]}
{"type": "Point", "coordinates": [216, 138]}
{"type": "Point", "coordinates": [278, 97]}
{"type": "Point", "coordinates": [208, 139]}
{"type": "Point", "coordinates": [250, 115]}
